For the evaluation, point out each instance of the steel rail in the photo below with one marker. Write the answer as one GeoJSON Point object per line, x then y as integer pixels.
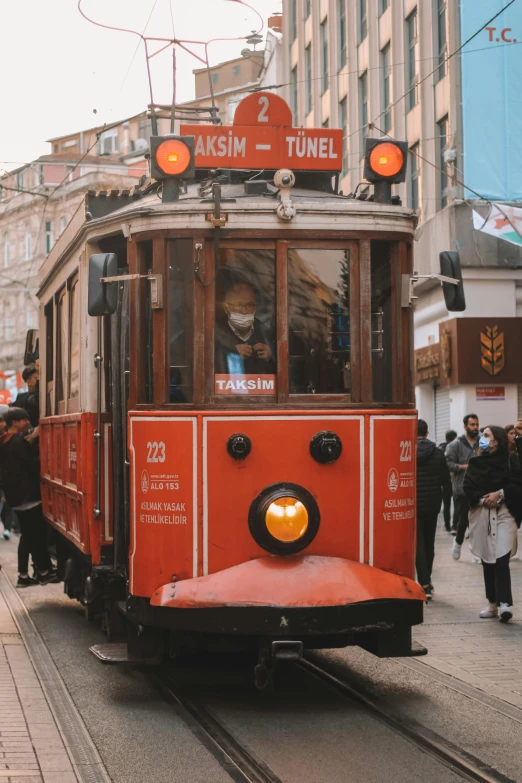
{"type": "Point", "coordinates": [228, 752]}
{"type": "Point", "coordinates": [468, 766]}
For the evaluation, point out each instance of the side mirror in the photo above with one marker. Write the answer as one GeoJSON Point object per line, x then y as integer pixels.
{"type": "Point", "coordinates": [453, 294]}
{"type": "Point", "coordinates": [102, 297]}
{"type": "Point", "coordinates": [32, 347]}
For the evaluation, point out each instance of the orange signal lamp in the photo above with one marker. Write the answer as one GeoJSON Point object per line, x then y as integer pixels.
{"type": "Point", "coordinates": [173, 157]}
{"type": "Point", "coordinates": [385, 160]}
{"type": "Point", "coordinates": [286, 519]}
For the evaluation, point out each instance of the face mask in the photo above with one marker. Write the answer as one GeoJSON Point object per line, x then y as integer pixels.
{"type": "Point", "coordinates": [484, 443]}
{"type": "Point", "coordinates": [241, 320]}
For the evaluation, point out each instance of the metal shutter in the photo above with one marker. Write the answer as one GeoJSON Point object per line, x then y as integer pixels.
{"type": "Point", "coordinates": [442, 413]}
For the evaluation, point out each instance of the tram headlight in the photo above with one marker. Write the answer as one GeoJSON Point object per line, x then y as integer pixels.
{"type": "Point", "coordinates": [385, 160]}
{"type": "Point", "coordinates": [284, 518]}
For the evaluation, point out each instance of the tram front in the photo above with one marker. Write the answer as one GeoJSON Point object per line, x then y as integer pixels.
{"type": "Point", "coordinates": [271, 424]}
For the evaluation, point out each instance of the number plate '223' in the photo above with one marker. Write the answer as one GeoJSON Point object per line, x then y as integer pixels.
{"type": "Point", "coordinates": [406, 451]}
{"type": "Point", "coordinates": [156, 451]}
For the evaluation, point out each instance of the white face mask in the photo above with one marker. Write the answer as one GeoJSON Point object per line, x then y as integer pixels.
{"type": "Point", "coordinates": [241, 320]}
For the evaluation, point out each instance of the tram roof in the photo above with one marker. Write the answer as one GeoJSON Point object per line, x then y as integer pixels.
{"type": "Point", "coordinates": [315, 210]}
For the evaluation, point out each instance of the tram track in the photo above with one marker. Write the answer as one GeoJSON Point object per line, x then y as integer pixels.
{"type": "Point", "coordinates": [245, 767]}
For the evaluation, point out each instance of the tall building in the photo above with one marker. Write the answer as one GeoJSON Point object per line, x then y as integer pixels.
{"type": "Point", "coordinates": [441, 75]}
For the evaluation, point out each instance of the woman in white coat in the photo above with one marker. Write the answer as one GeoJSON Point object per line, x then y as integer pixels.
{"type": "Point", "coordinates": [493, 486]}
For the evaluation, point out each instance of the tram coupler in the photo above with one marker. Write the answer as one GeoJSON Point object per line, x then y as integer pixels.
{"type": "Point", "coordinates": [269, 654]}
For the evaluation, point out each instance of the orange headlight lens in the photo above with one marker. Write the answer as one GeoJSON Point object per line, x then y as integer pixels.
{"type": "Point", "coordinates": [286, 519]}
{"type": "Point", "coordinates": [173, 156]}
{"type": "Point", "coordinates": [386, 159]}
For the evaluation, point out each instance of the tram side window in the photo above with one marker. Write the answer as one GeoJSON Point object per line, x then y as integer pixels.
{"type": "Point", "coordinates": [74, 340]}
{"type": "Point", "coordinates": [382, 337]}
{"type": "Point", "coordinates": [61, 352]}
{"type": "Point", "coordinates": [49, 358]}
{"type": "Point", "coordinates": [181, 331]}
{"type": "Point", "coordinates": [245, 345]}
{"type": "Point", "coordinates": [319, 321]}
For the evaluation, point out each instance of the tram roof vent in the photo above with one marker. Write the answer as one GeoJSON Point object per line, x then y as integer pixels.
{"type": "Point", "coordinates": [256, 187]}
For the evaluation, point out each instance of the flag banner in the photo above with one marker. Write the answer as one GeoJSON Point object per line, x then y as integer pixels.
{"type": "Point", "coordinates": [503, 223]}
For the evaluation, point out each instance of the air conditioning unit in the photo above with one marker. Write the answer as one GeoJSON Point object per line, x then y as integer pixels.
{"type": "Point", "coordinates": [141, 144]}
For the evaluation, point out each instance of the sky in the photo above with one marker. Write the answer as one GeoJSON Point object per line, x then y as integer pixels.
{"type": "Point", "coordinates": [61, 74]}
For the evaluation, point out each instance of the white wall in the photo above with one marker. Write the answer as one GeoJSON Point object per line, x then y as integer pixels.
{"type": "Point", "coordinates": [463, 400]}
{"type": "Point", "coordinates": [425, 402]}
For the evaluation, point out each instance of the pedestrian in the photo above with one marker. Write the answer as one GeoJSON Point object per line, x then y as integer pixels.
{"type": "Point", "coordinates": [493, 486]}
{"type": "Point", "coordinates": [510, 432]}
{"type": "Point", "coordinates": [432, 477]}
{"type": "Point", "coordinates": [458, 455]}
{"type": "Point", "coordinates": [447, 492]}
{"type": "Point", "coordinates": [518, 440]}
{"type": "Point", "coordinates": [29, 400]}
{"type": "Point", "coordinates": [20, 469]}
{"type": "Point", "coordinates": [6, 514]}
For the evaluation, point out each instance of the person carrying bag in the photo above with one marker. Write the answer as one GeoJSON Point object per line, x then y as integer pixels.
{"type": "Point", "coordinates": [493, 487]}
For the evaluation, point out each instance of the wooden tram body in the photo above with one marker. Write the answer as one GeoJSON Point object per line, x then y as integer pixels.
{"type": "Point", "coordinates": [142, 474]}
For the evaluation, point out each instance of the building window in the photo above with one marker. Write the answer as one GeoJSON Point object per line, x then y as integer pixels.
{"type": "Point", "coordinates": [144, 131]}
{"type": "Point", "coordinates": [74, 340]}
{"type": "Point", "coordinates": [411, 64]}
{"type": "Point", "coordinates": [236, 70]}
{"type": "Point", "coordinates": [441, 38]}
{"type": "Point", "coordinates": [363, 20]}
{"type": "Point", "coordinates": [20, 181]}
{"type": "Point", "coordinates": [27, 244]}
{"type": "Point", "coordinates": [63, 223]}
{"type": "Point", "coordinates": [414, 176]}
{"type": "Point", "coordinates": [385, 88]}
{"type": "Point", "coordinates": [307, 8]}
{"type": "Point", "coordinates": [324, 56]}
{"type": "Point", "coordinates": [308, 78]}
{"type": "Point", "coordinates": [215, 78]}
{"type": "Point", "coordinates": [48, 237]}
{"type": "Point", "coordinates": [383, 5]}
{"type": "Point", "coordinates": [363, 109]}
{"type": "Point", "coordinates": [293, 20]}
{"type": "Point", "coordinates": [341, 26]}
{"type": "Point", "coordinates": [442, 128]}
{"type": "Point", "coordinates": [108, 142]}
{"type": "Point", "coordinates": [8, 323]}
{"type": "Point", "coordinates": [293, 84]}
{"type": "Point", "coordinates": [6, 250]}
{"type": "Point", "coordinates": [343, 117]}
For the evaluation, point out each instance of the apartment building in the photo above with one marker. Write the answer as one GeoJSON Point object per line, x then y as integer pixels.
{"type": "Point", "coordinates": [437, 74]}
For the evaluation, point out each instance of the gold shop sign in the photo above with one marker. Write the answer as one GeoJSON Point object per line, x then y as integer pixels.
{"type": "Point", "coordinates": [492, 354]}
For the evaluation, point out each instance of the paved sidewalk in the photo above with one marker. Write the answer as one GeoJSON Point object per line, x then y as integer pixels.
{"type": "Point", "coordinates": [31, 747]}
{"type": "Point", "coordinates": [486, 654]}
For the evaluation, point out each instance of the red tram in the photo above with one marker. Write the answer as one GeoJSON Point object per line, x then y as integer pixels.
{"type": "Point", "coordinates": [228, 446]}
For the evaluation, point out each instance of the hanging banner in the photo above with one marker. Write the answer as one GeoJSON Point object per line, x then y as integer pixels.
{"type": "Point", "coordinates": [503, 223]}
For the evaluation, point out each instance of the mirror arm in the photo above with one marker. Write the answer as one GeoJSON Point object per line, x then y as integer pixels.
{"type": "Point", "coordinates": [156, 286]}
{"type": "Point", "coordinates": [408, 281]}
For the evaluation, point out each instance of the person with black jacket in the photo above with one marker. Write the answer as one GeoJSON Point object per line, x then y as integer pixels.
{"type": "Point", "coordinates": [20, 469]}
{"type": "Point", "coordinates": [29, 400]}
{"type": "Point", "coordinates": [432, 476]}
{"type": "Point", "coordinates": [493, 487]}
{"type": "Point", "coordinates": [447, 491]}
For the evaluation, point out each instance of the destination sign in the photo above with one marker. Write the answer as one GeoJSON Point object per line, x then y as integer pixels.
{"type": "Point", "coordinates": [262, 137]}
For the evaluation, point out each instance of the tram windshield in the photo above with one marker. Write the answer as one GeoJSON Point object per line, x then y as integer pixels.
{"type": "Point", "coordinates": [245, 346]}
{"type": "Point", "coordinates": [319, 321]}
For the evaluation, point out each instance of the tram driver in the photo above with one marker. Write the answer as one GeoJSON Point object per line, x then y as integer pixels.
{"type": "Point", "coordinates": [242, 343]}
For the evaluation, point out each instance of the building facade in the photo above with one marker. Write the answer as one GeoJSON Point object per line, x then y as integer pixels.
{"type": "Point", "coordinates": [437, 74]}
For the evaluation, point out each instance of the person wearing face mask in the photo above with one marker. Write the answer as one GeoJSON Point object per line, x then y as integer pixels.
{"type": "Point", "coordinates": [242, 345]}
{"type": "Point", "coordinates": [493, 487]}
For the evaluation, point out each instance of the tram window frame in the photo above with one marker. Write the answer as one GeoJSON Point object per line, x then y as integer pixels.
{"type": "Point", "coordinates": [61, 348]}
{"type": "Point", "coordinates": [49, 357]}
{"type": "Point", "coordinates": [73, 290]}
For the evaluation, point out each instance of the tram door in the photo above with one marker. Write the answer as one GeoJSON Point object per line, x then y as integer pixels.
{"type": "Point", "coordinates": [117, 326]}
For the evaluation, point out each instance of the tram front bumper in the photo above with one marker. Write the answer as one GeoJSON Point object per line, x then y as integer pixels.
{"type": "Point", "coordinates": [295, 596]}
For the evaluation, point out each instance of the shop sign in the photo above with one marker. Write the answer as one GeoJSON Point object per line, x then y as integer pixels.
{"type": "Point", "coordinates": [490, 393]}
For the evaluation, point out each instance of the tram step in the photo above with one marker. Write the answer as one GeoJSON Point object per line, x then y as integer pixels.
{"type": "Point", "coordinates": [117, 652]}
{"type": "Point", "coordinates": [121, 607]}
